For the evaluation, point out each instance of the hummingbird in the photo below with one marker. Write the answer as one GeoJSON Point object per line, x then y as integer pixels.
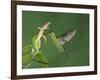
{"type": "Point", "coordinates": [62, 39]}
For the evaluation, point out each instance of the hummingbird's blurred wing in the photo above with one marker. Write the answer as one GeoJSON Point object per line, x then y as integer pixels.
{"type": "Point", "coordinates": [56, 42]}
{"type": "Point", "coordinates": [67, 36]}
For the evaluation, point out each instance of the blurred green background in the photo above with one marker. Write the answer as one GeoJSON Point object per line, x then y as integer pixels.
{"type": "Point", "coordinates": [77, 48]}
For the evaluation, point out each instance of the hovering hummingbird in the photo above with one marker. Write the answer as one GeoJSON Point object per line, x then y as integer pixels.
{"type": "Point", "coordinates": [61, 40]}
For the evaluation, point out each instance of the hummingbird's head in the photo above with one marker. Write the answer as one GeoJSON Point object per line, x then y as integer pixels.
{"type": "Point", "coordinates": [67, 36]}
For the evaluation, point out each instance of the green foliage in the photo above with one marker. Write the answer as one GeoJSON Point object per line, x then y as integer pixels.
{"type": "Point", "coordinates": [27, 58]}
{"type": "Point", "coordinates": [45, 38]}
{"type": "Point", "coordinates": [40, 58]}
{"type": "Point", "coordinates": [27, 47]}
{"type": "Point", "coordinates": [37, 44]}
{"type": "Point", "coordinates": [35, 54]}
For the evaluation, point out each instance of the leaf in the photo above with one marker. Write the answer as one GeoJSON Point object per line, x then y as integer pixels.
{"type": "Point", "coordinates": [36, 43]}
{"type": "Point", "coordinates": [56, 42]}
{"type": "Point", "coordinates": [25, 50]}
{"type": "Point", "coordinates": [45, 38]}
{"type": "Point", "coordinates": [26, 59]}
{"type": "Point", "coordinates": [27, 47]}
{"type": "Point", "coordinates": [40, 58]}
{"type": "Point", "coordinates": [33, 40]}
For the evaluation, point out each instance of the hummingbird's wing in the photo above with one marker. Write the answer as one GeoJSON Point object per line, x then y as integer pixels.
{"type": "Point", "coordinates": [56, 42]}
{"type": "Point", "coordinates": [67, 36]}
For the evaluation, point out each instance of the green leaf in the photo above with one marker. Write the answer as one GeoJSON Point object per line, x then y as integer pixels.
{"type": "Point", "coordinates": [33, 40]}
{"type": "Point", "coordinates": [36, 43]}
{"type": "Point", "coordinates": [56, 42]}
{"type": "Point", "coordinates": [26, 59]}
{"type": "Point", "coordinates": [27, 47]}
{"type": "Point", "coordinates": [25, 50]}
{"type": "Point", "coordinates": [45, 38]}
{"type": "Point", "coordinates": [40, 58]}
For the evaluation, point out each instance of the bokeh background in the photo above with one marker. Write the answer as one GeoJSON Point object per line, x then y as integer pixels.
{"type": "Point", "coordinates": [77, 48]}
